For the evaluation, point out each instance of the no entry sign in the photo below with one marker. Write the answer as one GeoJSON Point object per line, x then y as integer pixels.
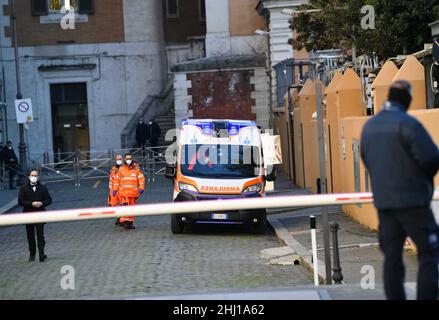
{"type": "Point", "coordinates": [23, 109]}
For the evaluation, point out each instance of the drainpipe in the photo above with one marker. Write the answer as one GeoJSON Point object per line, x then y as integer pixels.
{"type": "Point", "coordinates": [270, 81]}
{"type": "Point", "coordinates": [22, 146]}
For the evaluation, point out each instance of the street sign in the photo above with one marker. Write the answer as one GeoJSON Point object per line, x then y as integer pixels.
{"type": "Point", "coordinates": [23, 109]}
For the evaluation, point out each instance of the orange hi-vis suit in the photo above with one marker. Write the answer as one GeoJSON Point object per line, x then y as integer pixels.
{"type": "Point", "coordinates": [113, 200]}
{"type": "Point", "coordinates": [129, 181]}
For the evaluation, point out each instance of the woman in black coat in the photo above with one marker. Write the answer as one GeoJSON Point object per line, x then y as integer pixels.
{"type": "Point", "coordinates": [34, 197]}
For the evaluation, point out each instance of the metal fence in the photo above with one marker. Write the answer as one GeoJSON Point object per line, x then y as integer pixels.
{"type": "Point", "coordinates": [85, 165]}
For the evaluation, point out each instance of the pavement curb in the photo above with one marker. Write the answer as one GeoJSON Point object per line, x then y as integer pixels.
{"type": "Point", "coordinates": [11, 204]}
{"type": "Point", "coordinates": [306, 257]}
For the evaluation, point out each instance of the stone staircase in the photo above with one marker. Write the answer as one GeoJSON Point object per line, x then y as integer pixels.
{"type": "Point", "coordinates": [159, 107]}
{"type": "Point", "coordinates": [166, 123]}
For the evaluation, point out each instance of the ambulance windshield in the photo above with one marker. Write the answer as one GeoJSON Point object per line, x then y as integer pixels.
{"type": "Point", "coordinates": [220, 161]}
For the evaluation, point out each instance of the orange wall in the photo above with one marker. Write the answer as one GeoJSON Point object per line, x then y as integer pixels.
{"type": "Point", "coordinates": [344, 114]}
{"type": "Point", "coordinates": [298, 142]}
{"type": "Point", "coordinates": [188, 23]}
{"type": "Point", "coordinates": [280, 128]}
{"type": "Point", "coordinates": [430, 119]}
{"type": "Point", "coordinates": [244, 19]}
{"type": "Point", "coordinates": [366, 214]}
{"type": "Point", "coordinates": [307, 107]}
{"type": "Point", "coordinates": [308, 158]}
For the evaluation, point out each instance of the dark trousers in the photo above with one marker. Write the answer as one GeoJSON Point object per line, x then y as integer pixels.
{"type": "Point", "coordinates": [30, 230]}
{"type": "Point", "coordinates": [12, 174]}
{"type": "Point", "coordinates": [141, 144]}
{"type": "Point", "coordinates": [419, 224]}
{"type": "Point", "coordinates": [154, 142]}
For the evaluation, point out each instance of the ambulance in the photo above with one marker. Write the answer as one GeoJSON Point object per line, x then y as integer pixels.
{"type": "Point", "coordinates": [219, 160]}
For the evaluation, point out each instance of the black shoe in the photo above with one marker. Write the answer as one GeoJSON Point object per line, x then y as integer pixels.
{"type": "Point", "coordinates": [43, 257]}
{"type": "Point", "coordinates": [129, 225]}
{"type": "Point", "coordinates": [117, 223]}
{"type": "Point", "coordinates": [31, 258]}
{"type": "Point", "coordinates": [13, 188]}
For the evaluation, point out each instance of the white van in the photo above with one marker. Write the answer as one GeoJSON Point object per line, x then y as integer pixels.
{"type": "Point", "coordinates": [219, 159]}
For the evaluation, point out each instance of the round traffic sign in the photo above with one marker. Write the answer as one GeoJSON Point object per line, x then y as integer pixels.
{"type": "Point", "coordinates": [23, 107]}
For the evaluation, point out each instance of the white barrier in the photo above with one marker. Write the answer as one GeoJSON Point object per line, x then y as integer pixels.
{"type": "Point", "coordinates": [187, 207]}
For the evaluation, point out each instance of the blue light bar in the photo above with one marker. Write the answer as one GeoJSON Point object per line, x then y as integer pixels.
{"type": "Point", "coordinates": [207, 125]}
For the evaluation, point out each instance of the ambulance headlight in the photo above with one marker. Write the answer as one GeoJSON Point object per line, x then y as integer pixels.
{"type": "Point", "coordinates": [254, 188]}
{"type": "Point", "coordinates": [186, 186]}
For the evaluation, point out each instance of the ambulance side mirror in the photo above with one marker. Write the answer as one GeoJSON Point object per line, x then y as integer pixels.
{"type": "Point", "coordinates": [271, 174]}
{"type": "Point", "coordinates": [170, 171]}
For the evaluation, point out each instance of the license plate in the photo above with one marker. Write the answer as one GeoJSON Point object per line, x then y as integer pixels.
{"type": "Point", "coordinates": [220, 216]}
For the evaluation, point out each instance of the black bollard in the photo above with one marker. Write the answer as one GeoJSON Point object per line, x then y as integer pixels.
{"type": "Point", "coordinates": [336, 275]}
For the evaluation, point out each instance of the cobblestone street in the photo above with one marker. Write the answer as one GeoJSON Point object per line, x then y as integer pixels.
{"type": "Point", "coordinates": [112, 262]}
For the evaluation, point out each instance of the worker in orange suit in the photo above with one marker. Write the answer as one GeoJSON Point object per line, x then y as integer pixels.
{"type": "Point", "coordinates": [130, 184]}
{"type": "Point", "coordinates": [113, 201]}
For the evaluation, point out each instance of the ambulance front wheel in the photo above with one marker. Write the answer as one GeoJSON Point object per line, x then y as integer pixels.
{"type": "Point", "coordinates": [176, 225]}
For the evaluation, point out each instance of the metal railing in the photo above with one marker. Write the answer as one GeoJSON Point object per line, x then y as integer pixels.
{"type": "Point", "coordinates": [5, 174]}
{"type": "Point", "coordinates": [155, 162]}
{"type": "Point", "coordinates": [85, 165]}
{"type": "Point", "coordinates": [3, 177]}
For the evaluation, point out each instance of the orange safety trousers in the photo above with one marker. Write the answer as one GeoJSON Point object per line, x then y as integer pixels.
{"type": "Point", "coordinates": [127, 201]}
{"type": "Point", "coordinates": [113, 201]}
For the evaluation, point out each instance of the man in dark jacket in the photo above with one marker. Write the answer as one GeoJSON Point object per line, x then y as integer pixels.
{"type": "Point", "coordinates": [154, 133]}
{"type": "Point", "coordinates": [142, 134]}
{"type": "Point", "coordinates": [34, 197]}
{"type": "Point", "coordinates": [402, 160]}
{"type": "Point", "coordinates": [10, 161]}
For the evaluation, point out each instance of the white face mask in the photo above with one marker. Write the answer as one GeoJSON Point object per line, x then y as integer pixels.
{"type": "Point", "coordinates": [119, 162]}
{"type": "Point", "coordinates": [33, 179]}
{"type": "Point", "coordinates": [10, 148]}
{"type": "Point", "coordinates": [129, 162]}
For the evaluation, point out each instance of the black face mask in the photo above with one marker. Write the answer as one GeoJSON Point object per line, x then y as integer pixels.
{"type": "Point", "coordinates": [401, 96]}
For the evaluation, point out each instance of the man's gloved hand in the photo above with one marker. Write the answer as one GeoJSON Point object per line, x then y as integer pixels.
{"type": "Point", "coordinates": [114, 193]}
{"type": "Point", "coordinates": [141, 191]}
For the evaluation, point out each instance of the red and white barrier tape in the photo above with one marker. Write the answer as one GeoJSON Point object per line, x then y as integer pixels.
{"type": "Point", "coordinates": [188, 207]}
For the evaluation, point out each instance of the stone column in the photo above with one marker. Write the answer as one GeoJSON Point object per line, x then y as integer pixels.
{"type": "Point", "coordinates": [217, 33]}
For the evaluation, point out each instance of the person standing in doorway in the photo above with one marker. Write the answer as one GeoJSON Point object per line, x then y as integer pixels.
{"type": "Point", "coordinates": [129, 185]}
{"type": "Point", "coordinates": [402, 160]}
{"type": "Point", "coordinates": [10, 162]}
{"type": "Point", "coordinates": [34, 197]}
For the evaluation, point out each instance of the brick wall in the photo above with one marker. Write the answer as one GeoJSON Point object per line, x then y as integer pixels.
{"type": "Point", "coordinates": [222, 95]}
{"type": "Point", "coordinates": [105, 25]}
{"type": "Point", "coordinates": [188, 24]}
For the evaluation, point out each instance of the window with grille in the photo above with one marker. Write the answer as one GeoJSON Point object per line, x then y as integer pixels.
{"type": "Point", "coordinates": [172, 8]}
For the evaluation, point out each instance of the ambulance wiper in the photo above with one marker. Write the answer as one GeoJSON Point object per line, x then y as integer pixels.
{"type": "Point", "coordinates": [227, 175]}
